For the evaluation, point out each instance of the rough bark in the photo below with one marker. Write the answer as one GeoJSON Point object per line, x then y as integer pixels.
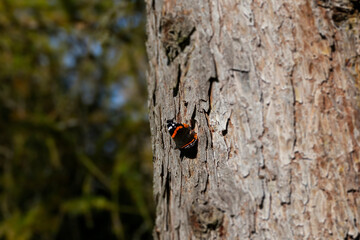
{"type": "Point", "coordinates": [272, 89]}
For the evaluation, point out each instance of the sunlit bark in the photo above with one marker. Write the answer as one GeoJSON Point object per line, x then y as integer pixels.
{"type": "Point", "coordinates": [271, 88]}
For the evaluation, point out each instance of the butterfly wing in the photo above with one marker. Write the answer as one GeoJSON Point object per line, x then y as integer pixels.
{"type": "Point", "coordinates": [182, 134]}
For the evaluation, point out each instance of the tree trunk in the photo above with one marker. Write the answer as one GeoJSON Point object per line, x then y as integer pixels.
{"type": "Point", "coordinates": [272, 90]}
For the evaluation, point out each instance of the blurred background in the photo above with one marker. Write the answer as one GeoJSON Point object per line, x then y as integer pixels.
{"type": "Point", "coordinates": [75, 151]}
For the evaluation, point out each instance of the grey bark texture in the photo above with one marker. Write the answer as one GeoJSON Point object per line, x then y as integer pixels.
{"type": "Point", "coordinates": [272, 89]}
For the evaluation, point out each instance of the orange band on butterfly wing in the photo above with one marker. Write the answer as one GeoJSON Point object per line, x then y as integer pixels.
{"type": "Point", "coordinates": [174, 134]}
{"type": "Point", "coordinates": [189, 143]}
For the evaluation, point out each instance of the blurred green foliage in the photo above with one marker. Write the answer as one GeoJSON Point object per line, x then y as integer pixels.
{"type": "Point", "coordinates": [75, 152]}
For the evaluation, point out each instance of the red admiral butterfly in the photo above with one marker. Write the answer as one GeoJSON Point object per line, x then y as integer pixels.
{"type": "Point", "coordinates": [184, 137]}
